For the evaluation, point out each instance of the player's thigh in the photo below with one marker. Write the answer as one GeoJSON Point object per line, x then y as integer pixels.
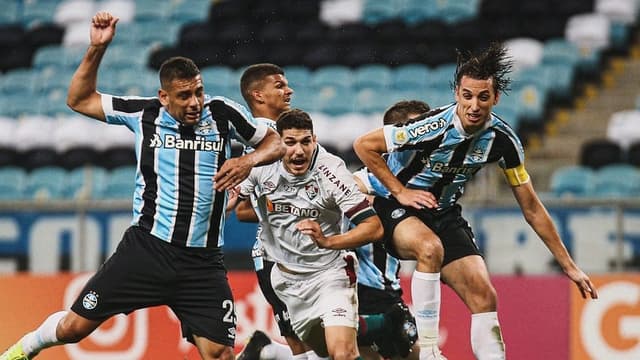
{"type": "Point", "coordinates": [203, 302]}
{"type": "Point", "coordinates": [412, 239]}
{"type": "Point", "coordinates": [279, 308]}
{"type": "Point", "coordinates": [211, 350]}
{"type": "Point", "coordinates": [469, 278]}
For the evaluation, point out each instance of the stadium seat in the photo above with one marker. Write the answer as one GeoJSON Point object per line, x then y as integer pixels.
{"type": "Point", "coordinates": [332, 76]}
{"type": "Point", "coordinates": [371, 100]}
{"type": "Point", "coordinates": [10, 13]}
{"type": "Point", "coordinates": [622, 127]}
{"type": "Point", "coordinates": [525, 52]}
{"type": "Point", "coordinates": [299, 76]}
{"type": "Point", "coordinates": [48, 182]}
{"type": "Point", "coordinates": [114, 157]}
{"type": "Point", "coordinates": [335, 100]}
{"type": "Point", "coordinates": [617, 181]}
{"type": "Point", "coordinates": [572, 181]}
{"type": "Point", "coordinates": [120, 183]}
{"type": "Point", "coordinates": [618, 11]}
{"type": "Point", "coordinates": [600, 152]}
{"type": "Point", "coordinates": [151, 10]}
{"type": "Point", "coordinates": [123, 9]}
{"type": "Point", "coordinates": [18, 81]}
{"type": "Point", "coordinates": [633, 154]}
{"type": "Point", "coordinates": [377, 11]}
{"type": "Point", "coordinates": [86, 183]}
{"type": "Point", "coordinates": [454, 11]}
{"type": "Point", "coordinates": [38, 12]}
{"type": "Point", "coordinates": [8, 156]}
{"type": "Point", "coordinates": [74, 12]}
{"type": "Point", "coordinates": [410, 76]}
{"type": "Point", "coordinates": [561, 78]}
{"type": "Point", "coordinates": [417, 11]}
{"type": "Point", "coordinates": [196, 10]}
{"type": "Point", "coordinates": [304, 99]}
{"type": "Point", "coordinates": [12, 183]}
{"type": "Point", "coordinates": [221, 75]}
{"type": "Point", "coordinates": [441, 77]}
{"type": "Point", "coordinates": [375, 76]}
{"type": "Point", "coordinates": [79, 156]}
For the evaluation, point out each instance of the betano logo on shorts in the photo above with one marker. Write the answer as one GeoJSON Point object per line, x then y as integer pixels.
{"type": "Point", "coordinates": [291, 209]}
{"type": "Point", "coordinates": [173, 142]}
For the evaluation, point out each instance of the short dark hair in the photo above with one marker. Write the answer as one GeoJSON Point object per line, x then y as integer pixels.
{"type": "Point", "coordinates": [254, 74]}
{"type": "Point", "coordinates": [399, 112]}
{"type": "Point", "coordinates": [294, 119]}
{"type": "Point", "coordinates": [177, 67]}
{"type": "Point", "coordinates": [493, 62]}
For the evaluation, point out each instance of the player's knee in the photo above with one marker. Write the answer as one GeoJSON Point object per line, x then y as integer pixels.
{"type": "Point", "coordinates": [483, 299]}
{"type": "Point", "coordinates": [69, 331]}
{"type": "Point", "coordinates": [344, 354]}
{"type": "Point", "coordinates": [429, 251]}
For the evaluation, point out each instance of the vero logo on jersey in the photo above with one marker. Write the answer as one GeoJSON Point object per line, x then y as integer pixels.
{"type": "Point", "coordinates": [173, 142]}
{"type": "Point", "coordinates": [427, 128]}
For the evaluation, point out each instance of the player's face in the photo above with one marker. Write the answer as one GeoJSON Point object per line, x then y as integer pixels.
{"type": "Point", "coordinates": [276, 93]}
{"type": "Point", "coordinates": [475, 100]}
{"type": "Point", "coordinates": [183, 99]}
{"type": "Point", "coordinates": [300, 144]}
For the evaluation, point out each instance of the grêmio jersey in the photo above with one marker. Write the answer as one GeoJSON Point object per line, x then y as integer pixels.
{"type": "Point", "coordinates": [174, 198]}
{"type": "Point", "coordinates": [325, 193]}
{"type": "Point", "coordinates": [434, 153]}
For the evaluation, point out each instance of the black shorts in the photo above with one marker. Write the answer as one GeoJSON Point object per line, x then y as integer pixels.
{"type": "Point", "coordinates": [454, 231]}
{"type": "Point", "coordinates": [376, 301]}
{"type": "Point", "coordinates": [146, 271]}
{"type": "Point", "coordinates": [279, 308]}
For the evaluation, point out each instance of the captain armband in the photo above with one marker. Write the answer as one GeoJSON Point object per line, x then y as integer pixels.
{"type": "Point", "coordinates": [517, 175]}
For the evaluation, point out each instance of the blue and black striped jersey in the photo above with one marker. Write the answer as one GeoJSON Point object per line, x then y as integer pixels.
{"type": "Point", "coordinates": [434, 153]}
{"type": "Point", "coordinates": [377, 269]}
{"type": "Point", "coordinates": [174, 197]}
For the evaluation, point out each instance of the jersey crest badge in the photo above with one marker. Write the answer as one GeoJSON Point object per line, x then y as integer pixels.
{"type": "Point", "coordinates": [204, 127]}
{"type": "Point", "coordinates": [311, 190]}
{"type": "Point", "coordinates": [400, 136]}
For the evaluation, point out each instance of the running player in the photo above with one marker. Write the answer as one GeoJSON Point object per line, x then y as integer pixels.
{"type": "Point", "coordinates": [431, 160]}
{"type": "Point", "coordinates": [300, 200]}
{"type": "Point", "coordinates": [172, 253]}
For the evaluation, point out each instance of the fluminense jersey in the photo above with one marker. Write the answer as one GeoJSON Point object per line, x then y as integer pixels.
{"type": "Point", "coordinates": [174, 198]}
{"type": "Point", "coordinates": [434, 153]}
{"type": "Point", "coordinates": [326, 193]}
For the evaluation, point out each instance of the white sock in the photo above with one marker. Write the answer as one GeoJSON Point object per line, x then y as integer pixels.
{"type": "Point", "coordinates": [425, 293]}
{"type": "Point", "coordinates": [311, 355]}
{"type": "Point", "coordinates": [277, 351]}
{"type": "Point", "coordinates": [486, 337]}
{"type": "Point", "coordinates": [44, 336]}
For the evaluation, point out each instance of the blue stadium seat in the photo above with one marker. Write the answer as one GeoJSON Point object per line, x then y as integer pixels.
{"type": "Point", "coordinates": [416, 11]}
{"type": "Point", "coordinates": [12, 183]}
{"type": "Point", "coordinates": [453, 11]}
{"type": "Point", "coordinates": [441, 77]}
{"type": "Point", "coordinates": [375, 76]}
{"type": "Point", "coordinates": [299, 76]}
{"type": "Point", "coordinates": [531, 102]}
{"type": "Point", "coordinates": [560, 51]}
{"type": "Point", "coordinates": [151, 10]}
{"type": "Point", "coordinates": [410, 76]}
{"type": "Point", "coordinates": [120, 183]}
{"type": "Point", "coordinates": [86, 183]}
{"type": "Point", "coordinates": [617, 181]}
{"type": "Point", "coordinates": [49, 182]}
{"type": "Point", "coordinates": [572, 181]}
{"type": "Point", "coordinates": [10, 13]}
{"type": "Point", "coordinates": [18, 81]}
{"type": "Point", "coordinates": [58, 56]}
{"type": "Point", "coordinates": [150, 32]}
{"type": "Point", "coordinates": [38, 11]}
{"type": "Point", "coordinates": [377, 11]}
{"type": "Point", "coordinates": [220, 75]}
{"type": "Point", "coordinates": [332, 75]}
{"type": "Point", "coordinates": [561, 80]}
{"type": "Point", "coordinates": [196, 11]}
{"type": "Point", "coordinates": [335, 100]}
{"type": "Point", "coordinates": [371, 100]}
{"type": "Point", "coordinates": [304, 99]}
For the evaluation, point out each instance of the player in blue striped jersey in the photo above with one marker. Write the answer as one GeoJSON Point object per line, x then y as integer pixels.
{"type": "Point", "coordinates": [172, 253]}
{"type": "Point", "coordinates": [437, 154]}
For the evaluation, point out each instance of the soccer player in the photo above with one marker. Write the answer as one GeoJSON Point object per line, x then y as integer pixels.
{"type": "Point", "coordinates": [172, 253]}
{"type": "Point", "coordinates": [446, 148]}
{"type": "Point", "coordinates": [301, 199]}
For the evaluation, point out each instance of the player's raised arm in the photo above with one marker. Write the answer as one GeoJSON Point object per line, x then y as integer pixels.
{"type": "Point", "coordinates": [82, 95]}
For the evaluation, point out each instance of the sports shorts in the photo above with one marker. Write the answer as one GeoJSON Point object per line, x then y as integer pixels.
{"type": "Point", "coordinates": [327, 297]}
{"type": "Point", "coordinates": [145, 271]}
{"type": "Point", "coordinates": [454, 231]}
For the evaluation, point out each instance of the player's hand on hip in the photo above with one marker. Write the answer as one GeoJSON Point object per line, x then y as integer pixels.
{"type": "Point", "coordinates": [418, 199]}
{"type": "Point", "coordinates": [103, 28]}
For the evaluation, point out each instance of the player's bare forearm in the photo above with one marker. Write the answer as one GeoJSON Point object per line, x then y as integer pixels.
{"type": "Point", "coordinates": [245, 212]}
{"type": "Point", "coordinates": [269, 150]}
{"type": "Point", "coordinates": [367, 231]}
{"type": "Point", "coordinates": [369, 148]}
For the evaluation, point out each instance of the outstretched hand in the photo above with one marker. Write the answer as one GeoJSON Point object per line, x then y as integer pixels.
{"type": "Point", "coordinates": [584, 284]}
{"type": "Point", "coordinates": [103, 28]}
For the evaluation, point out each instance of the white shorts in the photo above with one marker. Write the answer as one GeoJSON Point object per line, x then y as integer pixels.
{"type": "Point", "coordinates": [328, 297]}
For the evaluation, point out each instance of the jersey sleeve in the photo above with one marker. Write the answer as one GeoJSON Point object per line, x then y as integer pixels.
{"type": "Point", "coordinates": [124, 110]}
{"type": "Point", "coordinates": [347, 196]}
{"type": "Point", "coordinates": [243, 126]}
{"type": "Point", "coordinates": [512, 160]}
{"type": "Point", "coordinates": [411, 135]}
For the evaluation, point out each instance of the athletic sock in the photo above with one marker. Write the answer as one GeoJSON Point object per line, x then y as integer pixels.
{"type": "Point", "coordinates": [44, 336]}
{"type": "Point", "coordinates": [277, 351]}
{"type": "Point", "coordinates": [486, 337]}
{"type": "Point", "coordinates": [370, 327]}
{"type": "Point", "coordinates": [425, 293]}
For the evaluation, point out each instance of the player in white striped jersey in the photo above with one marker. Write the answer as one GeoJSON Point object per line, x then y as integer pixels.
{"type": "Point", "coordinates": [302, 199]}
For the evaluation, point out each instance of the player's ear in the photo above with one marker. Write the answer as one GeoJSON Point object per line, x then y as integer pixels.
{"type": "Point", "coordinates": [163, 96]}
{"type": "Point", "coordinates": [257, 96]}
